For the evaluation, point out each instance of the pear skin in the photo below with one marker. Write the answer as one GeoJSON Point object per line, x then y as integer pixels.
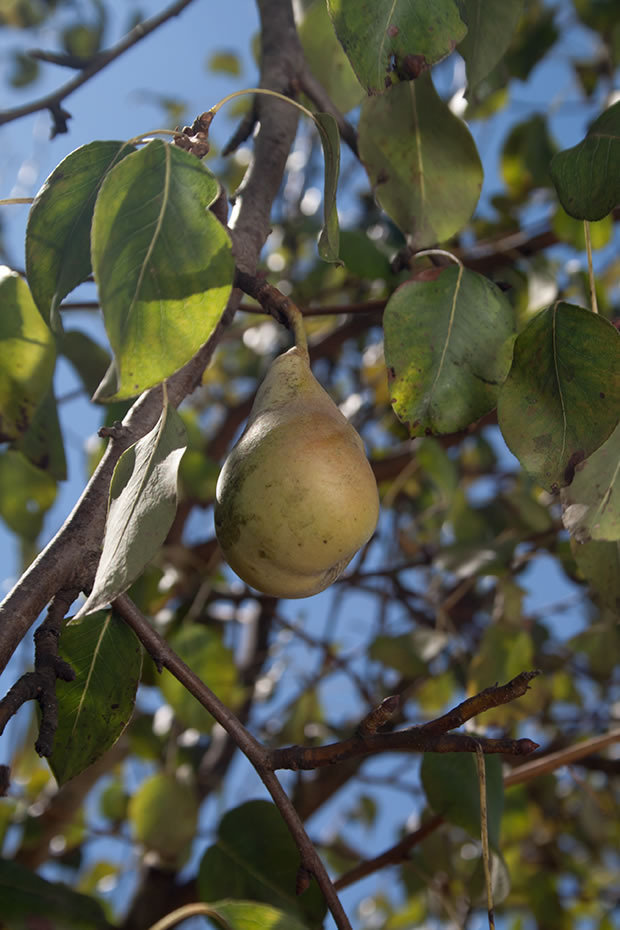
{"type": "Point", "coordinates": [296, 497]}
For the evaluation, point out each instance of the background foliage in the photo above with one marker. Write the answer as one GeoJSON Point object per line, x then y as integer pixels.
{"type": "Point", "coordinates": [488, 396]}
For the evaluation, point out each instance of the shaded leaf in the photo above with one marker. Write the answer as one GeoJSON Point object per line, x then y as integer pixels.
{"type": "Point", "coordinates": [242, 865]}
{"type": "Point", "coordinates": [29, 902]}
{"type": "Point", "coordinates": [248, 915]}
{"type": "Point", "coordinates": [327, 59]}
{"type": "Point", "coordinates": [143, 500]}
{"type": "Point", "coordinates": [591, 504]}
{"type": "Point", "coordinates": [27, 356]}
{"type": "Point", "coordinates": [561, 399]}
{"type": "Point", "coordinates": [90, 360]}
{"type": "Point", "coordinates": [491, 25]}
{"type": "Point", "coordinates": [362, 257]}
{"type": "Point", "coordinates": [505, 651]}
{"type": "Point", "coordinates": [96, 706]}
{"type": "Point", "coordinates": [58, 231]}
{"type": "Point", "coordinates": [27, 493]}
{"type": "Point", "coordinates": [164, 815]}
{"type": "Point", "coordinates": [42, 443]}
{"type": "Point", "coordinates": [421, 160]}
{"type": "Point", "coordinates": [450, 782]}
{"type": "Point", "coordinates": [388, 41]}
{"type": "Point", "coordinates": [526, 154]}
{"type": "Point", "coordinates": [163, 263]}
{"type": "Point", "coordinates": [448, 346]}
{"type": "Point", "coordinates": [203, 650]}
{"type": "Point", "coordinates": [599, 563]}
{"type": "Point", "coordinates": [398, 652]}
{"type": "Point", "coordinates": [586, 177]}
{"type": "Point", "coordinates": [330, 140]}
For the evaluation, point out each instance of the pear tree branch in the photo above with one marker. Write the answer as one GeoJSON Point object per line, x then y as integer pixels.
{"type": "Point", "coordinates": [53, 100]}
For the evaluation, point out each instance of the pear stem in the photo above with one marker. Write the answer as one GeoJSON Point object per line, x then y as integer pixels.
{"type": "Point", "coordinates": [276, 304]}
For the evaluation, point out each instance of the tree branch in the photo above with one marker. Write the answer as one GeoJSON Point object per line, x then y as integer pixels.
{"type": "Point", "coordinates": [165, 657]}
{"type": "Point", "coordinates": [53, 100]}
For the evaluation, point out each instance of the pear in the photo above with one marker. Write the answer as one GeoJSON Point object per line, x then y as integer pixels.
{"type": "Point", "coordinates": [296, 497]}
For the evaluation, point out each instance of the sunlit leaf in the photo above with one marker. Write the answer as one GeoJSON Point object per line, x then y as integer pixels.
{"type": "Point", "coordinates": [58, 231]}
{"type": "Point", "coordinates": [163, 814]}
{"type": "Point", "coordinates": [143, 500]}
{"type": "Point", "coordinates": [561, 399]}
{"type": "Point", "coordinates": [448, 346]}
{"type": "Point", "coordinates": [27, 356]}
{"type": "Point", "coordinates": [422, 161]}
{"type": "Point", "coordinates": [27, 493]}
{"type": "Point", "coordinates": [203, 650]}
{"type": "Point", "coordinates": [330, 140]}
{"type": "Point", "coordinates": [248, 915]}
{"type": "Point", "coordinates": [388, 41]}
{"type": "Point", "coordinates": [491, 25]}
{"type": "Point", "coordinates": [242, 865]}
{"type": "Point", "coordinates": [96, 706]}
{"type": "Point", "coordinates": [450, 782]}
{"type": "Point", "coordinates": [29, 902]}
{"type": "Point", "coordinates": [591, 504]}
{"type": "Point", "coordinates": [586, 176]}
{"type": "Point", "coordinates": [162, 261]}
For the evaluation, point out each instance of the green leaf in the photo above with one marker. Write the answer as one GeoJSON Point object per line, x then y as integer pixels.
{"type": "Point", "coordinates": [58, 231]}
{"type": "Point", "coordinates": [591, 504]}
{"type": "Point", "coordinates": [42, 443]}
{"type": "Point", "coordinates": [29, 902]}
{"type": "Point", "coordinates": [388, 41]}
{"type": "Point", "coordinates": [164, 817]}
{"type": "Point", "coordinates": [421, 160]}
{"type": "Point", "coordinates": [506, 650]}
{"type": "Point", "coordinates": [398, 652]}
{"type": "Point", "coordinates": [203, 650]}
{"type": "Point", "coordinates": [526, 154]}
{"type": "Point", "coordinates": [243, 865]}
{"type": "Point", "coordinates": [90, 360]}
{"type": "Point", "coordinates": [27, 356]}
{"type": "Point", "coordinates": [163, 263]}
{"type": "Point", "coordinates": [330, 140]}
{"type": "Point", "coordinates": [327, 59]}
{"type": "Point", "coordinates": [572, 231]}
{"type": "Point", "coordinates": [248, 915]}
{"type": "Point", "coordinates": [362, 257]}
{"type": "Point", "coordinates": [561, 399]}
{"type": "Point", "coordinates": [27, 493]}
{"type": "Point", "coordinates": [450, 782]}
{"type": "Point", "coordinates": [225, 63]}
{"type": "Point", "coordinates": [599, 563]}
{"type": "Point", "coordinates": [143, 503]}
{"type": "Point", "coordinates": [586, 176]}
{"type": "Point", "coordinates": [448, 345]}
{"type": "Point", "coordinates": [491, 25]}
{"type": "Point", "coordinates": [95, 708]}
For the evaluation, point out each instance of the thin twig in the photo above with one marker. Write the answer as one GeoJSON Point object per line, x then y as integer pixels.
{"type": "Point", "coordinates": [53, 100]}
{"type": "Point", "coordinates": [258, 755]}
{"type": "Point", "coordinates": [484, 833]}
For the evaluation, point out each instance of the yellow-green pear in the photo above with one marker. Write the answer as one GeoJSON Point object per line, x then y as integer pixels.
{"type": "Point", "coordinates": [296, 497]}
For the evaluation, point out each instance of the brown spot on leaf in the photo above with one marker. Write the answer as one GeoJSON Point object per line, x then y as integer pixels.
{"type": "Point", "coordinates": [412, 67]}
{"type": "Point", "coordinates": [573, 462]}
{"type": "Point", "coordinates": [427, 274]}
{"type": "Point", "coordinates": [392, 31]}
